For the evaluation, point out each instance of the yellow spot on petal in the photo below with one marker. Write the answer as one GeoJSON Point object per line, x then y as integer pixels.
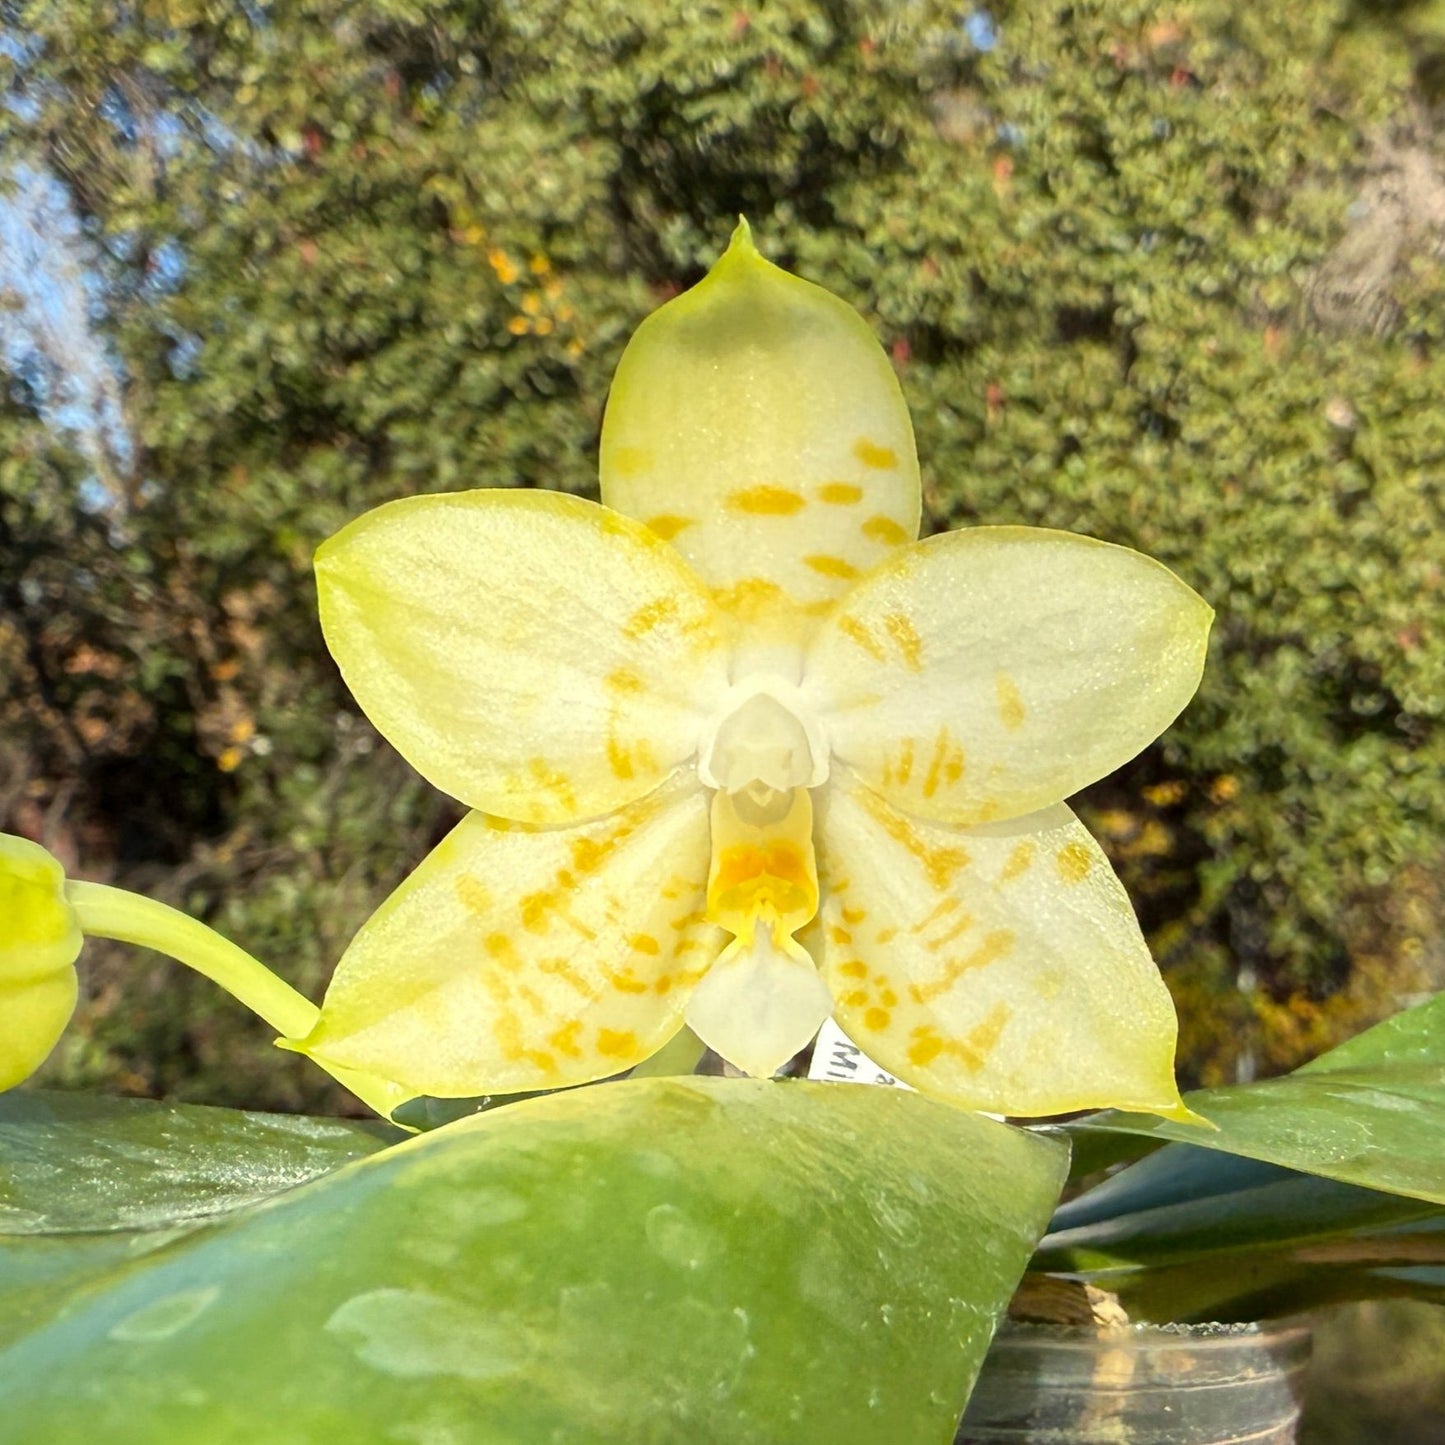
{"type": "Point", "coordinates": [838, 935]}
{"type": "Point", "coordinates": [565, 1039]}
{"type": "Point", "coordinates": [473, 894]}
{"type": "Point", "coordinates": [947, 763]}
{"type": "Point", "coordinates": [615, 1044]}
{"type": "Point", "coordinates": [1010, 704]}
{"type": "Point", "coordinates": [766, 501]}
{"type": "Point", "coordinates": [1019, 861]}
{"type": "Point", "coordinates": [558, 784]}
{"type": "Point", "coordinates": [840, 494]}
{"type": "Point", "coordinates": [885, 530]}
{"type": "Point", "coordinates": [856, 631]}
{"type": "Point", "coordinates": [854, 916]}
{"type": "Point", "coordinates": [905, 762]}
{"type": "Point", "coordinates": [858, 998]}
{"type": "Point", "coordinates": [887, 997]}
{"type": "Point", "coordinates": [877, 1019]}
{"type": "Point", "coordinates": [625, 981]}
{"type": "Point", "coordinates": [625, 680]}
{"type": "Point", "coordinates": [643, 943]}
{"type": "Point", "coordinates": [881, 459]}
{"type": "Point", "coordinates": [1074, 862]}
{"type": "Point", "coordinates": [749, 599]}
{"type": "Point", "coordinates": [854, 968]}
{"type": "Point", "coordinates": [535, 907]}
{"type": "Point", "coordinates": [562, 968]}
{"type": "Point", "coordinates": [980, 1041]}
{"type": "Point", "coordinates": [925, 1048]}
{"type": "Point", "coordinates": [630, 461]}
{"type": "Point", "coordinates": [667, 525]}
{"type": "Point", "coordinates": [619, 759]}
{"type": "Point", "coordinates": [993, 947]}
{"type": "Point", "coordinates": [500, 947]}
{"type": "Point", "coordinates": [826, 565]}
{"type": "Point", "coordinates": [650, 615]}
{"type": "Point", "coordinates": [905, 639]}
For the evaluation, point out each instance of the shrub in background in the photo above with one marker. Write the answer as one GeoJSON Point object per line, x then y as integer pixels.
{"type": "Point", "coordinates": [1164, 274]}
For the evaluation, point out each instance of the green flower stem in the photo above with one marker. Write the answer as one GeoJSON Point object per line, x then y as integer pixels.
{"type": "Point", "coordinates": [679, 1055]}
{"type": "Point", "coordinates": [106, 912]}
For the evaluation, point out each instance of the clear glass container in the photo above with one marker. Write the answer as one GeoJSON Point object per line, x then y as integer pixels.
{"type": "Point", "coordinates": [1140, 1385]}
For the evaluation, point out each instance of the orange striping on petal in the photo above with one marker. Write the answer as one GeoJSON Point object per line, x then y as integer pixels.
{"type": "Point", "coordinates": [993, 947]}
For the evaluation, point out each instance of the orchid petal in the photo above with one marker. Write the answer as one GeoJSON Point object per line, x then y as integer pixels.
{"type": "Point", "coordinates": [756, 423]}
{"type": "Point", "coordinates": [534, 655]}
{"type": "Point", "coordinates": [1000, 968]}
{"type": "Point", "coordinates": [987, 673]}
{"type": "Point", "coordinates": [517, 958]}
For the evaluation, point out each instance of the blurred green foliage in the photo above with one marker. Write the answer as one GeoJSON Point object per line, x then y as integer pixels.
{"type": "Point", "coordinates": [1168, 274]}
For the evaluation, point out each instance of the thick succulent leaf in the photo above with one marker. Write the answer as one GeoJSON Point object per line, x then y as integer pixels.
{"type": "Point", "coordinates": [987, 673]}
{"type": "Point", "coordinates": [1371, 1112]}
{"type": "Point", "coordinates": [535, 655]}
{"type": "Point", "coordinates": [651, 1261]}
{"type": "Point", "coordinates": [516, 959]}
{"type": "Point", "coordinates": [89, 1184]}
{"type": "Point", "coordinates": [998, 967]}
{"type": "Point", "coordinates": [756, 423]}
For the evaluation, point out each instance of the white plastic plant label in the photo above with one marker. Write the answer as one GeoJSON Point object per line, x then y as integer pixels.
{"type": "Point", "coordinates": [838, 1059]}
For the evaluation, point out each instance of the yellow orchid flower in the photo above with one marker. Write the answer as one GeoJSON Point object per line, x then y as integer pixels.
{"type": "Point", "coordinates": [742, 752]}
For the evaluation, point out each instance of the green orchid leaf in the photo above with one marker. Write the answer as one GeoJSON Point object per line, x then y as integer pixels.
{"type": "Point", "coordinates": [1191, 1233]}
{"type": "Point", "coordinates": [82, 1163]}
{"type": "Point", "coordinates": [1371, 1112]}
{"type": "Point", "coordinates": [714, 1260]}
{"type": "Point", "coordinates": [89, 1184]}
